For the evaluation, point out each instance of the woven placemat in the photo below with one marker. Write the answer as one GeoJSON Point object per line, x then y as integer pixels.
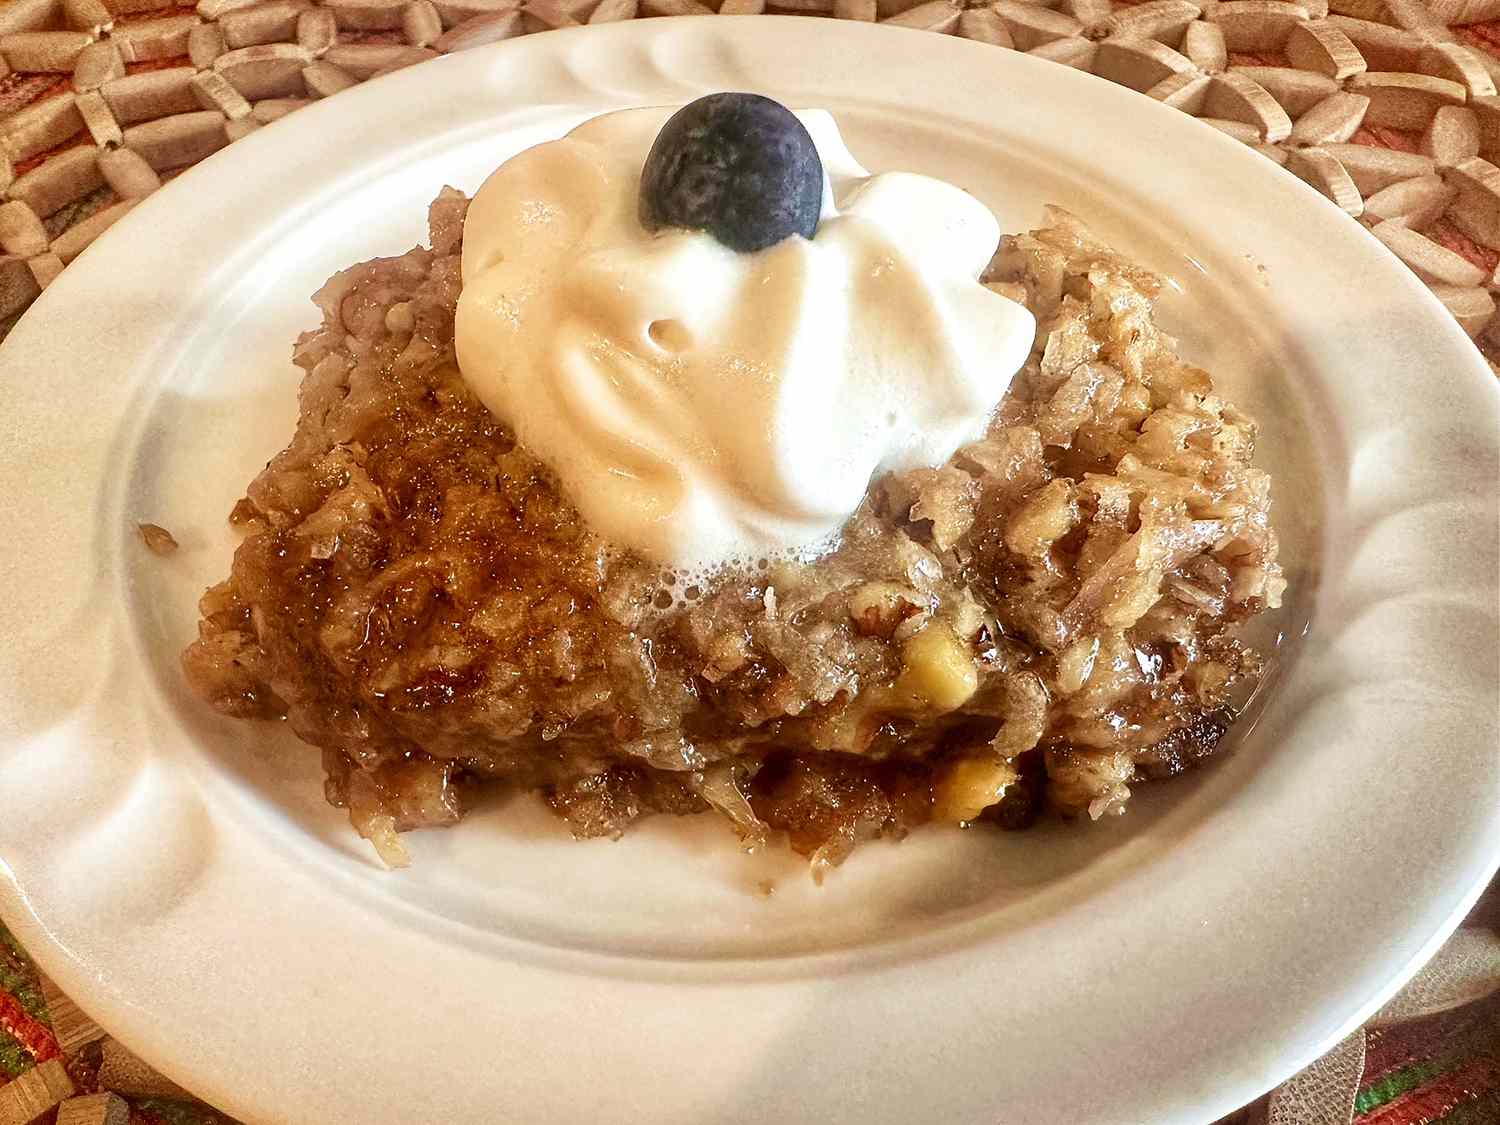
{"type": "Point", "coordinates": [1388, 107]}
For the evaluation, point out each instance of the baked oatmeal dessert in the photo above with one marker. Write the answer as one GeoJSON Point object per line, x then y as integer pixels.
{"type": "Point", "coordinates": [1040, 619]}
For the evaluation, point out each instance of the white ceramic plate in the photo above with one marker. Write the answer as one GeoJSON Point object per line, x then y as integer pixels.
{"type": "Point", "coordinates": [181, 876]}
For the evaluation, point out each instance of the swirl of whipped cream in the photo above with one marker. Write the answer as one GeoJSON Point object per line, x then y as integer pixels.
{"type": "Point", "coordinates": [707, 407]}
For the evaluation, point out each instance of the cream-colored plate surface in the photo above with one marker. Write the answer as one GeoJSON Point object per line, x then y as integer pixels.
{"type": "Point", "coordinates": [181, 876]}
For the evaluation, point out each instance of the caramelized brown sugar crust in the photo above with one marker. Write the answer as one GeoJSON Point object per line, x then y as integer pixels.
{"type": "Point", "coordinates": [1041, 621]}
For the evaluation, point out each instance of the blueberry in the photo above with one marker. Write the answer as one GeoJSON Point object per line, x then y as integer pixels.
{"type": "Point", "coordinates": [739, 166]}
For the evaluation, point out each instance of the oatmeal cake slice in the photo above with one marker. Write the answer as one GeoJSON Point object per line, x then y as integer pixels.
{"type": "Point", "coordinates": [1042, 621]}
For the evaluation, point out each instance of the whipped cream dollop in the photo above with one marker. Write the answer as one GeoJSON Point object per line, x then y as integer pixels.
{"type": "Point", "coordinates": [707, 407]}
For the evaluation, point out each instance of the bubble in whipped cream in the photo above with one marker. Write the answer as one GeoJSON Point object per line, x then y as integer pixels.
{"type": "Point", "coordinates": [683, 587]}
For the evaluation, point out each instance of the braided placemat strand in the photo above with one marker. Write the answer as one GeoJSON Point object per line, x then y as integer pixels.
{"type": "Point", "coordinates": [1388, 107]}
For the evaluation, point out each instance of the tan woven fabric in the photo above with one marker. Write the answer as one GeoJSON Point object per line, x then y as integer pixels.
{"type": "Point", "coordinates": [1388, 107]}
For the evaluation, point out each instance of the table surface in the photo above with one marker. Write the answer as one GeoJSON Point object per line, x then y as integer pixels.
{"type": "Point", "coordinates": [1389, 107]}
